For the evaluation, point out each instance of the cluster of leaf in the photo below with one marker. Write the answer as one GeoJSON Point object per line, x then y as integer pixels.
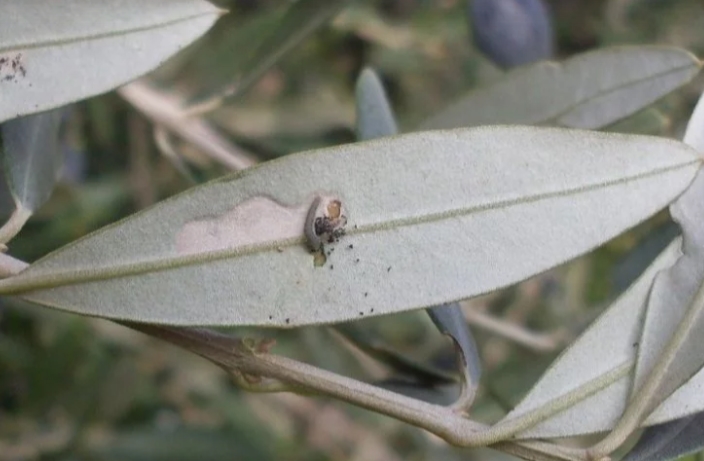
{"type": "Point", "coordinates": [434, 217]}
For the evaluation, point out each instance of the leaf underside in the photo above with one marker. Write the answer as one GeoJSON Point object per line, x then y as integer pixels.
{"type": "Point", "coordinates": [472, 211]}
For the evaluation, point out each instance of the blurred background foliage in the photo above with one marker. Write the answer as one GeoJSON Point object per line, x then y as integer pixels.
{"type": "Point", "coordinates": [74, 388]}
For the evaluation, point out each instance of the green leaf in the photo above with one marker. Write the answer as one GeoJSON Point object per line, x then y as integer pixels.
{"type": "Point", "coordinates": [53, 53]}
{"type": "Point", "coordinates": [31, 160]}
{"type": "Point", "coordinates": [375, 118]}
{"type": "Point", "coordinates": [301, 19]}
{"type": "Point", "coordinates": [451, 322]}
{"type": "Point", "coordinates": [31, 156]}
{"type": "Point", "coordinates": [671, 345]}
{"type": "Point", "coordinates": [669, 441]}
{"type": "Point", "coordinates": [590, 381]}
{"type": "Point", "coordinates": [468, 212]}
{"type": "Point", "coordinates": [590, 90]}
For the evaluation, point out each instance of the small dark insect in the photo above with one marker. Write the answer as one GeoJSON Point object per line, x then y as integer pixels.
{"type": "Point", "coordinates": [388, 269]}
{"type": "Point", "coordinates": [366, 294]}
{"type": "Point", "coordinates": [325, 222]}
{"type": "Point", "coordinates": [288, 321]}
{"type": "Point", "coordinates": [350, 246]}
{"type": "Point", "coordinates": [361, 313]}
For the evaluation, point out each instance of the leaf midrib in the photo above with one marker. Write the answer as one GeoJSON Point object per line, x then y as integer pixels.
{"type": "Point", "coordinates": [554, 119]}
{"type": "Point", "coordinates": [98, 36]}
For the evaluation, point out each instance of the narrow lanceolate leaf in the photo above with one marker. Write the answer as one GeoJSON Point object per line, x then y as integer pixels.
{"type": "Point", "coordinates": [471, 211]}
{"type": "Point", "coordinates": [301, 19]}
{"type": "Point", "coordinates": [53, 53]}
{"type": "Point", "coordinates": [451, 322]}
{"type": "Point", "coordinates": [31, 156]}
{"type": "Point", "coordinates": [671, 345]}
{"type": "Point", "coordinates": [586, 388]}
{"type": "Point", "coordinates": [670, 440]}
{"type": "Point", "coordinates": [590, 90]}
{"type": "Point", "coordinates": [31, 159]}
{"type": "Point", "coordinates": [375, 119]}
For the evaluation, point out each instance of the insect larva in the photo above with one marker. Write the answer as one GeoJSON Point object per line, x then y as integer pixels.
{"type": "Point", "coordinates": [325, 221]}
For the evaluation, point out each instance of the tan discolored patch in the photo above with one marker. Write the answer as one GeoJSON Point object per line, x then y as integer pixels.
{"type": "Point", "coordinates": [258, 220]}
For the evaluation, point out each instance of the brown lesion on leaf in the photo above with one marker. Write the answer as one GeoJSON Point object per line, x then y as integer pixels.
{"type": "Point", "coordinates": [325, 223]}
{"type": "Point", "coordinates": [12, 67]}
{"type": "Point", "coordinates": [255, 221]}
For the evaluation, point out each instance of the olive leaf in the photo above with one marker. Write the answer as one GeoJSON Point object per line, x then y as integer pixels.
{"type": "Point", "coordinates": [576, 93]}
{"type": "Point", "coordinates": [300, 20]}
{"type": "Point", "coordinates": [375, 117]}
{"type": "Point", "coordinates": [31, 160]}
{"type": "Point", "coordinates": [472, 210]}
{"type": "Point", "coordinates": [671, 350]}
{"type": "Point", "coordinates": [585, 390]}
{"type": "Point", "coordinates": [53, 53]}
{"type": "Point", "coordinates": [670, 440]}
{"type": "Point", "coordinates": [451, 322]}
{"type": "Point", "coordinates": [655, 321]}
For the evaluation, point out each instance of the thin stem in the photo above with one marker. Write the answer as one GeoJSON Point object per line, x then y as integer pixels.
{"type": "Point", "coordinates": [14, 224]}
{"type": "Point", "coordinates": [166, 110]}
{"type": "Point", "coordinates": [234, 356]}
{"type": "Point", "coordinates": [253, 367]}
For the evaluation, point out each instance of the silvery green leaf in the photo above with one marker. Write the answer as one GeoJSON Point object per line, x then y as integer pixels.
{"type": "Point", "coordinates": [685, 401]}
{"type": "Point", "coordinates": [301, 19]}
{"type": "Point", "coordinates": [31, 159]}
{"type": "Point", "coordinates": [590, 90]}
{"type": "Point", "coordinates": [375, 118]}
{"type": "Point", "coordinates": [31, 156]}
{"type": "Point", "coordinates": [53, 53]}
{"type": "Point", "coordinates": [589, 383]}
{"type": "Point", "coordinates": [670, 440]}
{"type": "Point", "coordinates": [675, 315]}
{"type": "Point", "coordinates": [451, 322]}
{"type": "Point", "coordinates": [471, 211]}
